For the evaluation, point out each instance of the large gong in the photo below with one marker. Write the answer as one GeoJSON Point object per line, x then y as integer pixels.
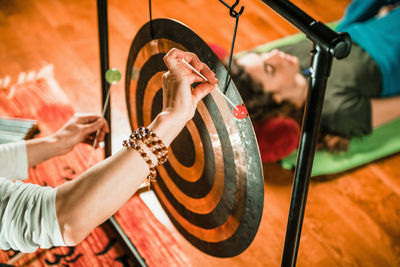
{"type": "Point", "coordinates": [212, 185]}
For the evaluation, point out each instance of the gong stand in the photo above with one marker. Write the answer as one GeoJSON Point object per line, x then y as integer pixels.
{"type": "Point", "coordinates": [327, 44]}
{"type": "Point", "coordinates": [105, 87]}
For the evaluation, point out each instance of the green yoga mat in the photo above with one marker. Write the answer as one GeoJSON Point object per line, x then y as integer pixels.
{"type": "Point", "coordinates": [382, 142]}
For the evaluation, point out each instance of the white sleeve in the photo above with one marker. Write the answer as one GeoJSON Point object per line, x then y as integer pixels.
{"type": "Point", "coordinates": [13, 160]}
{"type": "Point", "coordinates": [28, 217]}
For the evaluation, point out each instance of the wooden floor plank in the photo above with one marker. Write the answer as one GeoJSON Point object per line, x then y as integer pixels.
{"type": "Point", "coordinates": [341, 224]}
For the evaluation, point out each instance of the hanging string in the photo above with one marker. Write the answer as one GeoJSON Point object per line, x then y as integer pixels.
{"type": "Point", "coordinates": [234, 14]}
{"type": "Point", "coordinates": [151, 20]}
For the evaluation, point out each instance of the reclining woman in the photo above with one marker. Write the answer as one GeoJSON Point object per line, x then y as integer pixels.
{"type": "Point", "coordinates": [361, 91]}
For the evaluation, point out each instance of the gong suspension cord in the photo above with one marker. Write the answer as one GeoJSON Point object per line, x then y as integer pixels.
{"type": "Point", "coordinates": [151, 20]}
{"type": "Point", "coordinates": [234, 14]}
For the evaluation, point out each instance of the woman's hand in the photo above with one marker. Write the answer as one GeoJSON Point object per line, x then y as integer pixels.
{"type": "Point", "coordinates": [180, 99]}
{"type": "Point", "coordinates": [81, 128]}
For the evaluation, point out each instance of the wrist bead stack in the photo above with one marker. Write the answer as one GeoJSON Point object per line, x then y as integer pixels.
{"type": "Point", "coordinates": [154, 143]}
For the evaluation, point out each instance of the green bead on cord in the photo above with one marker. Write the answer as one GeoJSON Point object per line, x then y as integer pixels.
{"type": "Point", "coordinates": [113, 76]}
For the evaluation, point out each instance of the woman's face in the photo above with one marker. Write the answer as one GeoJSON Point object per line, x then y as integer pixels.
{"type": "Point", "coordinates": [275, 70]}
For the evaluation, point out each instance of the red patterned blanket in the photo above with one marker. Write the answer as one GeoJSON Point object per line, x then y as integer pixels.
{"type": "Point", "coordinates": [42, 99]}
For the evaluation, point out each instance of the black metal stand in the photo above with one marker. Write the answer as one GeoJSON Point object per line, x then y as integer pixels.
{"type": "Point", "coordinates": [105, 86]}
{"type": "Point", "coordinates": [104, 66]}
{"type": "Point", "coordinates": [327, 44]}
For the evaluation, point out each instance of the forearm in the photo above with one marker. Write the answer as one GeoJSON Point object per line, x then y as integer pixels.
{"type": "Point", "coordinates": [80, 128]}
{"type": "Point", "coordinates": [41, 149]}
{"type": "Point", "coordinates": [87, 201]}
{"type": "Point", "coordinates": [97, 194]}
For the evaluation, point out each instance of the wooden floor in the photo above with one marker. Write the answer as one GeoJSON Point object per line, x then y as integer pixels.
{"type": "Point", "coordinates": [351, 219]}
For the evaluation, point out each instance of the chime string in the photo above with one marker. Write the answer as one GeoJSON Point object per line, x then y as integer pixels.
{"type": "Point", "coordinates": [234, 14]}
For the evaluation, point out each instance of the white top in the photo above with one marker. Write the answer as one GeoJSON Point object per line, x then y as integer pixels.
{"type": "Point", "coordinates": [27, 211]}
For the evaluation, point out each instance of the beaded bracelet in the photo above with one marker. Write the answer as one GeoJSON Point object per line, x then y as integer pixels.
{"type": "Point", "coordinates": [154, 143]}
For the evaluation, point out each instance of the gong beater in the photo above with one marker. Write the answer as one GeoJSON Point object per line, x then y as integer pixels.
{"type": "Point", "coordinates": [212, 185]}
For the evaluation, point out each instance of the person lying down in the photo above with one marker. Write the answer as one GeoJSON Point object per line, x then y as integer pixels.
{"type": "Point", "coordinates": [362, 91]}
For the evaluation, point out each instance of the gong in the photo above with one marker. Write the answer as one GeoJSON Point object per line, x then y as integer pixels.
{"type": "Point", "coordinates": [212, 185]}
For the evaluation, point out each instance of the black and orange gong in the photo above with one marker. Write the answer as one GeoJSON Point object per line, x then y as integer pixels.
{"type": "Point", "coordinates": [212, 185]}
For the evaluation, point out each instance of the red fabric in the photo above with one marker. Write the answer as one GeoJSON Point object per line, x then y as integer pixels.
{"type": "Point", "coordinates": [218, 50]}
{"type": "Point", "coordinates": [44, 101]}
{"type": "Point", "coordinates": [277, 137]}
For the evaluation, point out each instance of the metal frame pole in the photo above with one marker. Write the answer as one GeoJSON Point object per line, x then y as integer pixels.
{"type": "Point", "coordinates": [104, 66]}
{"type": "Point", "coordinates": [327, 44]}
{"type": "Point", "coordinates": [321, 65]}
{"type": "Point", "coordinates": [105, 87]}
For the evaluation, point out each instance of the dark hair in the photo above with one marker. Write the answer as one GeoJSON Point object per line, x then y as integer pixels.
{"type": "Point", "coordinates": [261, 104]}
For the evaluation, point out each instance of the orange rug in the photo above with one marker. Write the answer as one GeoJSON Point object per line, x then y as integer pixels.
{"type": "Point", "coordinates": [39, 97]}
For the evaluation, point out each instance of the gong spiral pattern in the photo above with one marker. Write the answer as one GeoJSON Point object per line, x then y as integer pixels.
{"type": "Point", "coordinates": [212, 186]}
